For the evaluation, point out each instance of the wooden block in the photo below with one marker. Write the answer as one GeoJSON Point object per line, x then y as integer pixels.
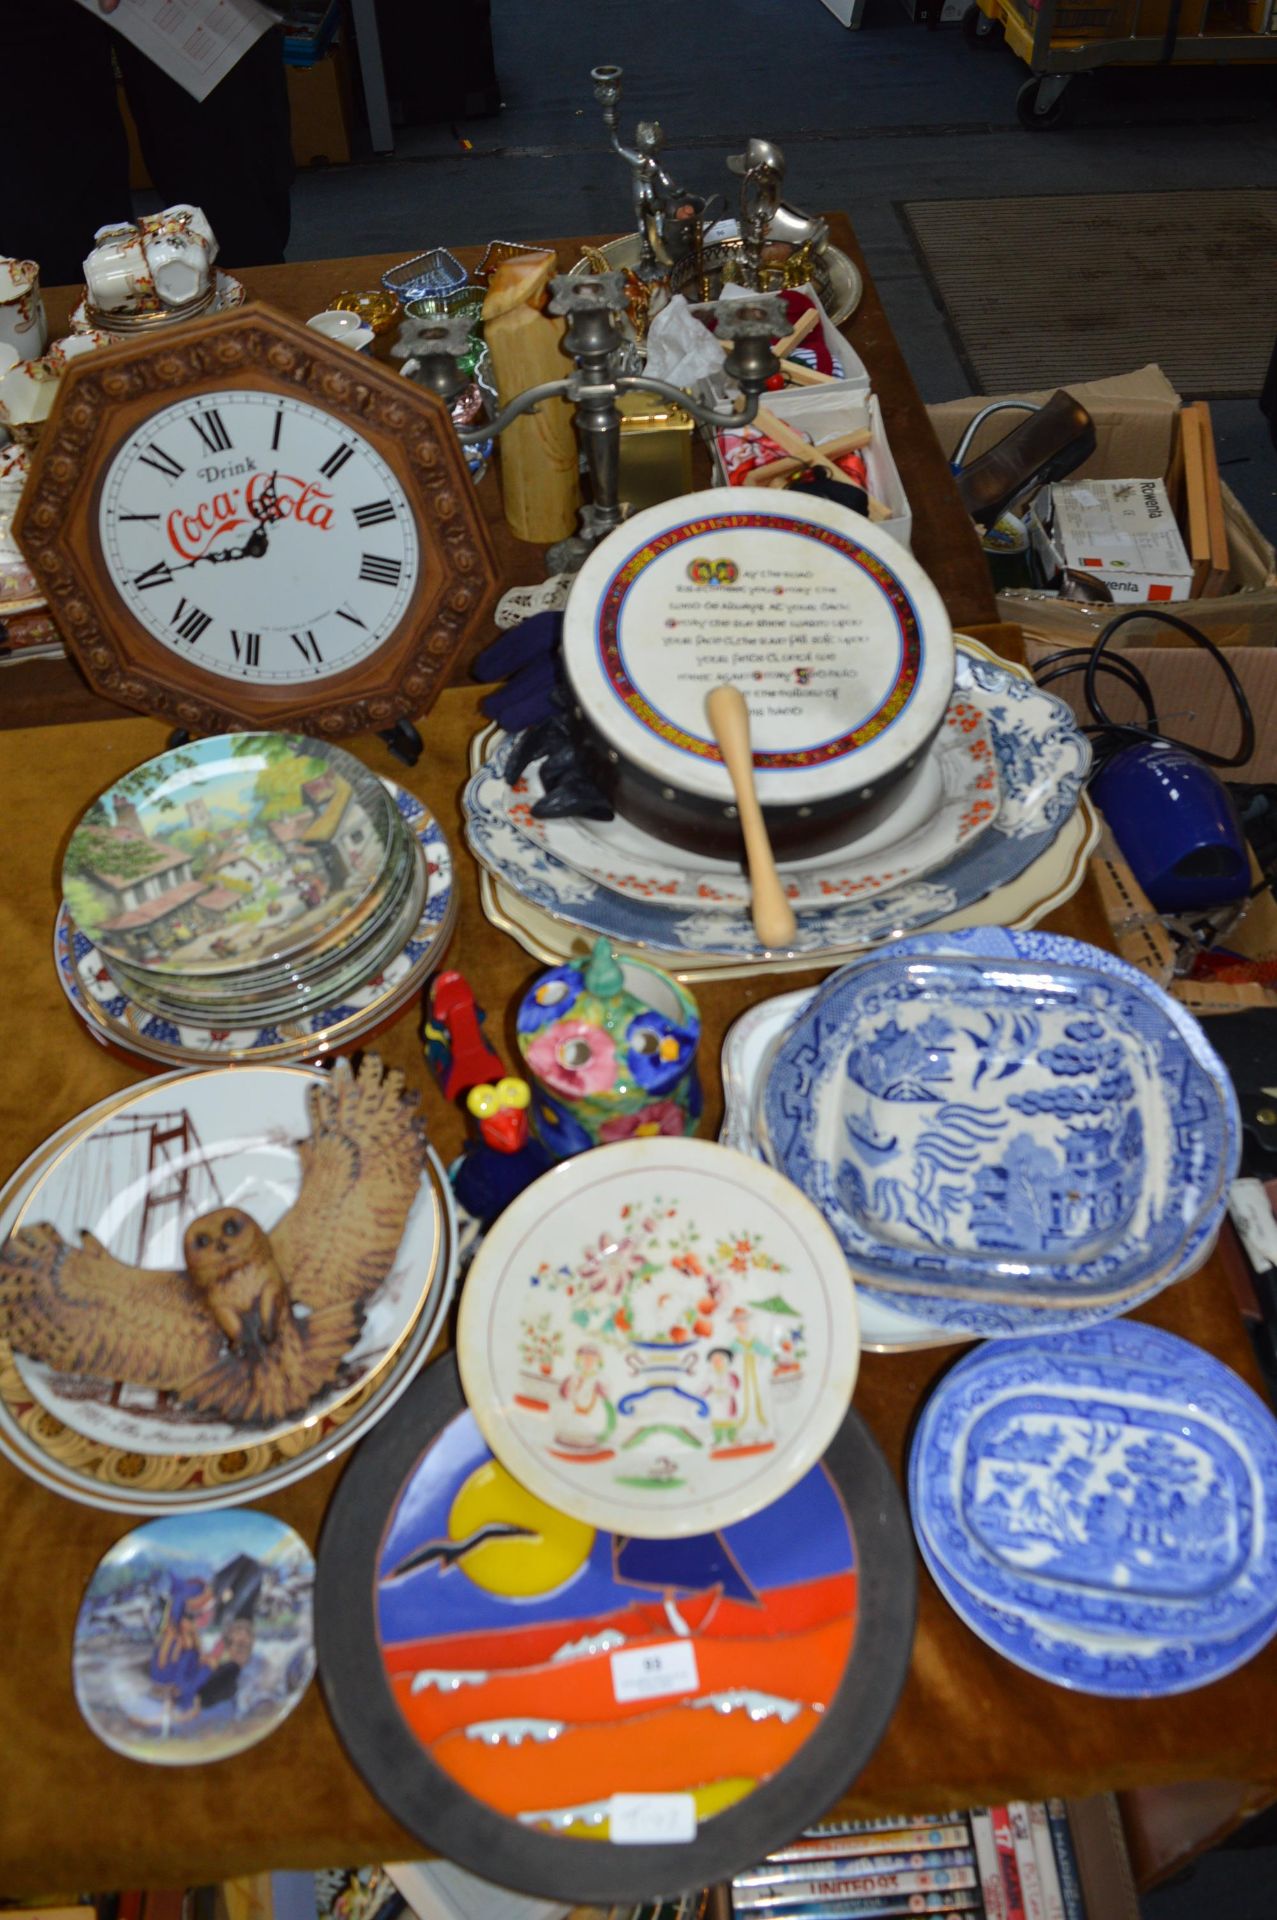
{"type": "Point", "coordinates": [1196, 526]}
{"type": "Point", "coordinates": [1217, 529]}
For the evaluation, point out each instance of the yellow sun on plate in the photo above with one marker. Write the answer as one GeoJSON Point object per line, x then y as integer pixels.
{"type": "Point", "coordinates": [555, 1547]}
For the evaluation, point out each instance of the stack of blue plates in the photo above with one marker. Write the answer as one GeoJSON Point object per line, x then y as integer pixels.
{"type": "Point", "coordinates": [1008, 1132]}
{"type": "Point", "coordinates": [1102, 1508]}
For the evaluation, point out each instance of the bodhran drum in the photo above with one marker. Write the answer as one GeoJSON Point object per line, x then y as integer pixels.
{"type": "Point", "coordinates": [829, 627]}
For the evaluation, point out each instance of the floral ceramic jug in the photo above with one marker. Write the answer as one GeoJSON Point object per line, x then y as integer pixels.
{"type": "Point", "coordinates": [611, 1050]}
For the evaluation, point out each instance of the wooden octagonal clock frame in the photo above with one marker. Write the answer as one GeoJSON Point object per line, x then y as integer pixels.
{"type": "Point", "coordinates": [241, 525]}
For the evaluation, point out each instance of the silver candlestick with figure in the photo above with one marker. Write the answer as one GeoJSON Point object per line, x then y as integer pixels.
{"type": "Point", "coordinates": [655, 194]}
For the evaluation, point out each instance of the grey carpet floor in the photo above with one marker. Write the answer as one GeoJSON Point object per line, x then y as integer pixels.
{"type": "Point", "coordinates": [1085, 285]}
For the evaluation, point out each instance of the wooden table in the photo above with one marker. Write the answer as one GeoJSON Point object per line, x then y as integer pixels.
{"type": "Point", "coordinates": [970, 1728]}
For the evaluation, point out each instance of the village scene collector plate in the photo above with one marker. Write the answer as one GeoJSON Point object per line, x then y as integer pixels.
{"type": "Point", "coordinates": [112, 1013]}
{"type": "Point", "coordinates": [1102, 1509]}
{"type": "Point", "coordinates": [195, 1637]}
{"type": "Point", "coordinates": [659, 1335]}
{"type": "Point", "coordinates": [526, 1690]}
{"type": "Point", "coordinates": [227, 852]}
{"type": "Point", "coordinates": [197, 1266]}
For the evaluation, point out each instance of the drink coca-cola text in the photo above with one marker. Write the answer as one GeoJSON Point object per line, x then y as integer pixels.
{"type": "Point", "coordinates": [276, 496]}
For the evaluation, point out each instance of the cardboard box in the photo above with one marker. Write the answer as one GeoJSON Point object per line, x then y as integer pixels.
{"type": "Point", "coordinates": [1137, 428]}
{"type": "Point", "coordinates": [1192, 699]}
{"type": "Point", "coordinates": [1123, 532]}
{"type": "Point", "coordinates": [826, 412]}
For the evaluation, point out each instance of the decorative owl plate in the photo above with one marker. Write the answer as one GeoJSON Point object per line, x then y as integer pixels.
{"type": "Point", "coordinates": [122, 1481]}
{"type": "Point", "coordinates": [228, 853]}
{"type": "Point", "coordinates": [1102, 1508]}
{"type": "Point", "coordinates": [596, 1716]}
{"type": "Point", "coordinates": [954, 801]}
{"type": "Point", "coordinates": [195, 1637]}
{"type": "Point", "coordinates": [660, 1336]}
{"type": "Point", "coordinates": [203, 1266]}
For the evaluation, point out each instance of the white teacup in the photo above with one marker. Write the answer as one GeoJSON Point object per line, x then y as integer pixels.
{"type": "Point", "coordinates": [22, 322]}
{"type": "Point", "coordinates": [26, 397]}
{"type": "Point", "coordinates": [180, 250]}
{"type": "Point", "coordinates": [335, 324]}
{"type": "Point", "coordinates": [116, 273]}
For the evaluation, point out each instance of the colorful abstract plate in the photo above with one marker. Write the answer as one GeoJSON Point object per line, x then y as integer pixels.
{"type": "Point", "coordinates": [195, 1637]}
{"type": "Point", "coordinates": [1042, 762]}
{"type": "Point", "coordinates": [954, 802]}
{"type": "Point", "coordinates": [120, 1480]}
{"type": "Point", "coordinates": [1102, 1509]}
{"type": "Point", "coordinates": [595, 1717]}
{"type": "Point", "coordinates": [114, 1017]}
{"type": "Point", "coordinates": [200, 1211]}
{"type": "Point", "coordinates": [659, 1336]}
{"type": "Point", "coordinates": [228, 853]}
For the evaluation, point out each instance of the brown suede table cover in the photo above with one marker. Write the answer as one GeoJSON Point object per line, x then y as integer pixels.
{"type": "Point", "coordinates": [970, 1728]}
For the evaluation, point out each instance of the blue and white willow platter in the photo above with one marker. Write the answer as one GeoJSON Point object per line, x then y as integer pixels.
{"type": "Point", "coordinates": [1042, 763]}
{"type": "Point", "coordinates": [1023, 1128]}
{"type": "Point", "coordinates": [1102, 1508]}
{"type": "Point", "coordinates": [902, 1319]}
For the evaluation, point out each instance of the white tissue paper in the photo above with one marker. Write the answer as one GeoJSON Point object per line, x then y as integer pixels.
{"type": "Point", "coordinates": [682, 351]}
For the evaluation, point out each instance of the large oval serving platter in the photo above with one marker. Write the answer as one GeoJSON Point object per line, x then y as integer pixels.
{"type": "Point", "coordinates": [1102, 1508]}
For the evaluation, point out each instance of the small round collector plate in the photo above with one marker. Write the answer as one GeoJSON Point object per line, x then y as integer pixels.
{"type": "Point", "coordinates": [660, 1336]}
{"type": "Point", "coordinates": [194, 1638]}
{"type": "Point", "coordinates": [590, 1716]}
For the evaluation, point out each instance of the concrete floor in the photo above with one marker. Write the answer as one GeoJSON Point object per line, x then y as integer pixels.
{"type": "Point", "coordinates": [867, 120]}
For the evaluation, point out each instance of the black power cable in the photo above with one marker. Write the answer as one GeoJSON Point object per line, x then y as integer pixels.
{"type": "Point", "coordinates": [1110, 735]}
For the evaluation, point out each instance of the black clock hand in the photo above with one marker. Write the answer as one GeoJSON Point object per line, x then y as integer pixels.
{"type": "Point", "coordinates": [253, 549]}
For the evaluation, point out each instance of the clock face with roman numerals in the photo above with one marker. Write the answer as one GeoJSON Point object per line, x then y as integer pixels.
{"type": "Point", "coordinates": [258, 537]}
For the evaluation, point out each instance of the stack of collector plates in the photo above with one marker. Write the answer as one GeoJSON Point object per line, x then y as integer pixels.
{"type": "Point", "coordinates": [1010, 1133]}
{"type": "Point", "coordinates": [1099, 1509]}
{"type": "Point", "coordinates": [253, 896]}
{"type": "Point", "coordinates": [213, 1284]}
{"type": "Point", "coordinates": [959, 782]}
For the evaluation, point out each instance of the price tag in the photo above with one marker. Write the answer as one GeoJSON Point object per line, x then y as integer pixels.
{"type": "Point", "coordinates": [652, 1819]}
{"type": "Point", "coordinates": [648, 1673]}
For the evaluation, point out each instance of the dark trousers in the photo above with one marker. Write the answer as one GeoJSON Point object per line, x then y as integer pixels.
{"type": "Point", "coordinates": [230, 154]}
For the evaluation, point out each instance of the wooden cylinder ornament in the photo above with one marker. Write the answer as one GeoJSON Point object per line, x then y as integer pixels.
{"type": "Point", "coordinates": [540, 483]}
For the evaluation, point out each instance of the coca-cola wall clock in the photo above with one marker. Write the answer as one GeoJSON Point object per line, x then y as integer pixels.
{"type": "Point", "coordinates": [246, 525]}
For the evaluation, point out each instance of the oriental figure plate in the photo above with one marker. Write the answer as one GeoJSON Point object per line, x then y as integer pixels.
{"type": "Point", "coordinates": [595, 1716]}
{"type": "Point", "coordinates": [660, 1336]}
{"type": "Point", "coordinates": [194, 1639]}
